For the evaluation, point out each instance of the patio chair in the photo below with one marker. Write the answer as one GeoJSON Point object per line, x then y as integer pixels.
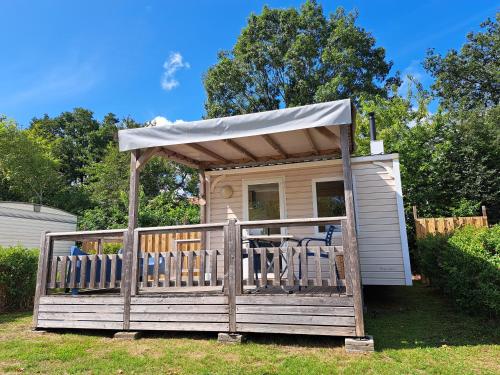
{"type": "Point", "coordinates": [327, 239]}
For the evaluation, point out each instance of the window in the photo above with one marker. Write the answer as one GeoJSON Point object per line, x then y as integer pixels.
{"type": "Point", "coordinates": [329, 201]}
{"type": "Point", "coordinates": [264, 204]}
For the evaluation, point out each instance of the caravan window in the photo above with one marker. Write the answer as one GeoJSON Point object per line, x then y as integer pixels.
{"type": "Point", "coordinates": [329, 200]}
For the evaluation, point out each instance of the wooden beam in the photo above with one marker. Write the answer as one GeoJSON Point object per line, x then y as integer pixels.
{"type": "Point", "coordinates": [313, 145]}
{"type": "Point", "coordinates": [203, 206]}
{"type": "Point", "coordinates": [146, 156]}
{"type": "Point", "coordinates": [275, 145]}
{"type": "Point", "coordinates": [128, 256]}
{"type": "Point", "coordinates": [240, 149]}
{"type": "Point", "coordinates": [230, 248]}
{"type": "Point", "coordinates": [41, 277]}
{"type": "Point", "coordinates": [328, 133]}
{"type": "Point", "coordinates": [169, 154]}
{"type": "Point", "coordinates": [208, 152]}
{"type": "Point", "coordinates": [292, 158]}
{"type": "Point", "coordinates": [354, 266]}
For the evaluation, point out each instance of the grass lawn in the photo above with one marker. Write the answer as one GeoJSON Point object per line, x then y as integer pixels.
{"type": "Point", "coordinates": [416, 332]}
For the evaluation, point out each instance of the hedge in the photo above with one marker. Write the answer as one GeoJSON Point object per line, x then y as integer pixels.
{"type": "Point", "coordinates": [466, 266]}
{"type": "Point", "coordinates": [18, 267]}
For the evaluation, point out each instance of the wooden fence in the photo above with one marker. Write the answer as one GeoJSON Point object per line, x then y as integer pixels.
{"type": "Point", "coordinates": [444, 225]}
{"type": "Point", "coordinates": [154, 242]}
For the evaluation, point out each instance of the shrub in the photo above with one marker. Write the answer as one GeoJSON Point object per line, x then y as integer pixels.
{"type": "Point", "coordinates": [18, 267]}
{"type": "Point", "coordinates": [466, 266]}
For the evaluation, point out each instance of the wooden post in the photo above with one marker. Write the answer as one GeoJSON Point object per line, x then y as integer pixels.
{"type": "Point", "coordinates": [203, 207]}
{"type": "Point", "coordinates": [41, 276]}
{"type": "Point", "coordinates": [230, 270]}
{"type": "Point", "coordinates": [485, 216]}
{"type": "Point", "coordinates": [129, 247]}
{"type": "Point", "coordinates": [135, 262]}
{"type": "Point", "coordinates": [238, 260]}
{"type": "Point", "coordinates": [355, 273]}
{"type": "Point", "coordinates": [415, 216]}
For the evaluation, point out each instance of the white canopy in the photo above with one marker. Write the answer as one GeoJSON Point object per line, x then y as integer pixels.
{"type": "Point", "coordinates": [279, 134]}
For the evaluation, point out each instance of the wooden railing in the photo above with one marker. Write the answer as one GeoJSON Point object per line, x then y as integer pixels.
{"type": "Point", "coordinates": [290, 266]}
{"type": "Point", "coordinates": [176, 270]}
{"type": "Point", "coordinates": [152, 242]}
{"type": "Point", "coordinates": [307, 270]}
{"type": "Point", "coordinates": [293, 266]}
{"type": "Point", "coordinates": [445, 225]}
{"type": "Point", "coordinates": [88, 272]}
{"type": "Point", "coordinates": [198, 270]}
{"type": "Point", "coordinates": [85, 271]}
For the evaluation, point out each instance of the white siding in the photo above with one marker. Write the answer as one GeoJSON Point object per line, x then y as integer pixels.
{"type": "Point", "coordinates": [377, 217]}
{"type": "Point", "coordinates": [20, 225]}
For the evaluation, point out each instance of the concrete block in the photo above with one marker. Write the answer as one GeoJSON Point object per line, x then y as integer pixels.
{"type": "Point", "coordinates": [125, 335]}
{"type": "Point", "coordinates": [230, 338]}
{"type": "Point", "coordinates": [39, 331]}
{"type": "Point", "coordinates": [359, 344]}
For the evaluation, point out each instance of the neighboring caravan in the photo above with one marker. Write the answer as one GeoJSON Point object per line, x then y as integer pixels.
{"type": "Point", "coordinates": [291, 227]}
{"type": "Point", "coordinates": [23, 224]}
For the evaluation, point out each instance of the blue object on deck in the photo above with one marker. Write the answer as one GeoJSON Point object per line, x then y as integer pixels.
{"type": "Point", "coordinates": [75, 250]}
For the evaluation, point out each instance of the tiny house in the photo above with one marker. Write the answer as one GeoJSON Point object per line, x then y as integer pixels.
{"type": "Point", "coordinates": [23, 224]}
{"type": "Point", "coordinates": [291, 228]}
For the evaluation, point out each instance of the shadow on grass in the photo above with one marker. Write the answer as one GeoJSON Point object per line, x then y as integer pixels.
{"type": "Point", "coordinates": [9, 317]}
{"type": "Point", "coordinates": [420, 317]}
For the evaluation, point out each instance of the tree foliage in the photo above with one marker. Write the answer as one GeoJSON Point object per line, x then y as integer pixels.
{"type": "Point", "coordinates": [28, 170]}
{"type": "Point", "coordinates": [470, 77]}
{"type": "Point", "coordinates": [76, 139]}
{"type": "Point", "coordinates": [290, 57]}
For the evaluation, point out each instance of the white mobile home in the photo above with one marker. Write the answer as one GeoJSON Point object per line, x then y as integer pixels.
{"type": "Point", "coordinates": [291, 228]}
{"type": "Point", "coordinates": [305, 189]}
{"type": "Point", "coordinates": [23, 224]}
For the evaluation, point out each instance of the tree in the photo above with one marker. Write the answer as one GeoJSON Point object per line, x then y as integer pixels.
{"type": "Point", "coordinates": [286, 58]}
{"type": "Point", "coordinates": [470, 77]}
{"type": "Point", "coordinates": [28, 170]}
{"type": "Point", "coordinates": [76, 140]}
{"type": "Point", "coordinates": [394, 116]}
{"type": "Point", "coordinates": [163, 198]}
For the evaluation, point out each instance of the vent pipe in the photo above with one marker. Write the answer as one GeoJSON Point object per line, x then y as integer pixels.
{"type": "Point", "coordinates": [376, 147]}
{"type": "Point", "coordinates": [373, 129]}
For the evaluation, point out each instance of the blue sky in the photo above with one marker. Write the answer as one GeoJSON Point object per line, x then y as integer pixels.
{"type": "Point", "coordinates": [147, 58]}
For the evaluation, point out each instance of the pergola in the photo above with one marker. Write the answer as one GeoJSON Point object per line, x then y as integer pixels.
{"type": "Point", "coordinates": [307, 133]}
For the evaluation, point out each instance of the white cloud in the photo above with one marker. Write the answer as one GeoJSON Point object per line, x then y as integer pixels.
{"type": "Point", "coordinates": [160, 120]}
{"type": "Point", "coordinates": [174, 62]}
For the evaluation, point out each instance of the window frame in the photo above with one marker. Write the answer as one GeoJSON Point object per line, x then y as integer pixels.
{"type": "Point", "coordinates": [315, 199]}
{"type": "Point", "coordinates": [280, 180]}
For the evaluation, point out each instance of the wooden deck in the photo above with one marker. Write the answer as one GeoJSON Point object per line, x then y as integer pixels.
{"type": "Point", "coordinates": [294, 290]}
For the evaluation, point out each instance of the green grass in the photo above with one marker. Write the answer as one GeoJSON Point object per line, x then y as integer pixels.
{"type": "Point", "coordinates": [416, 331]}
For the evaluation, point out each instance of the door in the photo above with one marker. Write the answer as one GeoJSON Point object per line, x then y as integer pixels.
{"type": "Point", "coordinates": [263, 200]}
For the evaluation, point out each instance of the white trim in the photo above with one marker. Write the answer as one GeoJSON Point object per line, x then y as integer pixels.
{"type": "Point", "coordinates": [402, 223]}
{"type": "Point", "coordinates": [314, 197]}
{"type": "Point", "coordinates": [307, 164]}
{"type": "Point", "coordinates": [280, 180]}
{"type": "Point", "coordinates": [385, 166]}
{"type": "Point", "coordinates": [208, 208]}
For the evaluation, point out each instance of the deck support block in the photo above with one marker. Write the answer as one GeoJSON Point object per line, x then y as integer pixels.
{"type": "Point", "coordinates": [230, 338]}
{"type": "Point", "coordinates": [127, 335]}
{"type": "Point", "coordinates": [39, 331]}
{"type": "Point", "coordinates": [363, 344]}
